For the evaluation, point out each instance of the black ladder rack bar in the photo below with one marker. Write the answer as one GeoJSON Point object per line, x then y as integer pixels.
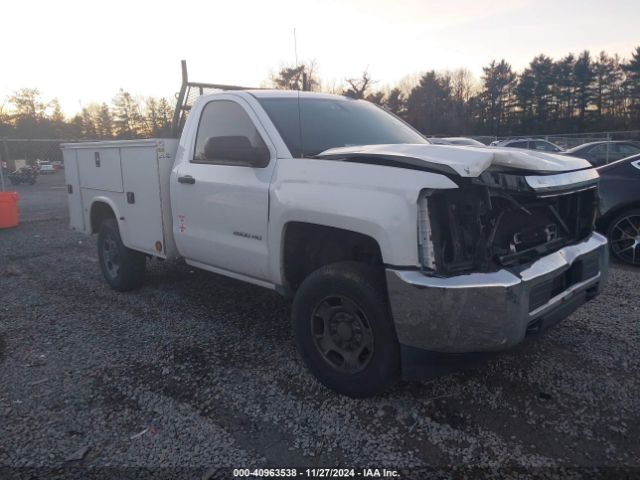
{"type": "Point", "coordinates": [186, 86]}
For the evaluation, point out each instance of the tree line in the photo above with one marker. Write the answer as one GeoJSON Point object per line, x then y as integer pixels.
{"type": "Point", "coordinates": [574, 94]}
{"type": "Point", "coordinates": [26, 115]}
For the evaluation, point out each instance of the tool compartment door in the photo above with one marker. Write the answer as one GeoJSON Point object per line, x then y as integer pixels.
{"type": "Point", "coordinates": [72, 177]}
{"type": "Point", "coordinates": [143, 207]}
{"type": "Point", "coordinates": [100, 168]}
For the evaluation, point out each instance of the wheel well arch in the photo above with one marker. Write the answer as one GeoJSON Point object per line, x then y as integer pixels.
{"type": "Point", "coordinates": [100, 211]}
{"type": "Point", "coordinates": [309, 246]}
{"type": "Point", "coordinates": [603, 223]}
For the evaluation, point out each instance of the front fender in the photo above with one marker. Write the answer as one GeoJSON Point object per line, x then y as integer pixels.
{"type": "Point", "coordinates": [373, 200]}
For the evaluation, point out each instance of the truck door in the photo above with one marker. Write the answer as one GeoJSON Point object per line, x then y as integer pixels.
{"type": "Point", "coordinates": [220, 195]}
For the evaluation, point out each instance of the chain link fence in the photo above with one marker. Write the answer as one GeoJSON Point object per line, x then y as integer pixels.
{"type": "Point", "coordinates": [570, 140]}
{"type": "Point", "coordinates": [17, 153]}
{"type": "Point", "coordinates": [28, 152]}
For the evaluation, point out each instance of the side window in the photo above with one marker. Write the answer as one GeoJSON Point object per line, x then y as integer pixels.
{"type": "Point", "coordinates": [227, 136]}
{"type": "Point", "coordinates": [627, 149]}
{"type": "Point", "coordinates": [518, 145]}
{"type": "Point", "coordinates": [599, 149]}
{"type": "Point", "coordinates": [544, 146]}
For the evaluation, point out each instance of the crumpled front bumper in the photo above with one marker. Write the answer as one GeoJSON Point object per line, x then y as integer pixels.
{"type": "Point", "coordinates": [482, 312]}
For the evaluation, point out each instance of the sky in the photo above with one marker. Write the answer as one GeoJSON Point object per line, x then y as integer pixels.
{"type": "Point", "coordinates": [84, 51]}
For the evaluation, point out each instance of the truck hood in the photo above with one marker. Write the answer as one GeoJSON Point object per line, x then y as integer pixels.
{"type": "Point", "coordinates": [465, 161]}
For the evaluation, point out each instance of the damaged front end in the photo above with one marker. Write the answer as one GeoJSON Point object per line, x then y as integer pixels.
{"type": "Point", "coordinates": [503, 219]}
{"type": "Point", "coordinates": [503, 256]}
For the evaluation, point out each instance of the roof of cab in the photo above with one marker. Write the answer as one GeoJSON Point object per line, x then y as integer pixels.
{"type": "Point", "coordinates": [281, 94]}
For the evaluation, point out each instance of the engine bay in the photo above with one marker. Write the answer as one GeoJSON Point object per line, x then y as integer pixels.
{"type": "Point", "coordinates": [487, 225]}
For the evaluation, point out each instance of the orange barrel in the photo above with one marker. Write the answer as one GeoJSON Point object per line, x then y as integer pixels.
{"type": "Point", "coordinates": [8, 209]}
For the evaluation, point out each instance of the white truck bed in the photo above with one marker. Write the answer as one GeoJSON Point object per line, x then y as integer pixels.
{"type": "Point", "coordinates": [130, 175]}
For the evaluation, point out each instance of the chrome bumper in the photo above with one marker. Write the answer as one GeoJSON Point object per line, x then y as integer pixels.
{"type": "Point", "coordinates": [493, 311]}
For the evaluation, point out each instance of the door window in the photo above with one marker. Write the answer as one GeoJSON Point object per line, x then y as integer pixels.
{"type": "Point", "coordinates": [544, 146]}
{"type": "Point", "coordinates": [599, 154]}
{"type": "Point", "coordinates": [227, 136]}
{"type": "Point", "coordinates": [626, 149]}
{"type": "Point", "coordinates": [600, 150]}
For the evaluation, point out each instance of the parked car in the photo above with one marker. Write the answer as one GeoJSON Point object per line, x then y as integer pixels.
{"type": "Point", "coordinates": [46, 169]}
{"type": "Point", "coordinates": [23, 175]}
{"type": "Point", "coordinates": [456, 141]}
{"type": "Point", "coordinates": [529, 144]}
{"type": "Point", "coordinates": [390, 247]}
{"type": "Point", "coordinates": [601, 153]}
{"type": "Point", "coordinates": [619, 210]}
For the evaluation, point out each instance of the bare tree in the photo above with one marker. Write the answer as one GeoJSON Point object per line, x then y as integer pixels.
{"type": "Point", "coordinates": [358, 87]}
{"type": "Point", "coordinates": [463, 85]}
{"type": "Point", "coordinates": [28, 104]}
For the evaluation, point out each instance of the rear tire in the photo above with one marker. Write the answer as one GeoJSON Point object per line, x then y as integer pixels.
{"type": "Point", "coordinates": [123, 268]}
{"type": "Point", "coordinates": [344, 330]}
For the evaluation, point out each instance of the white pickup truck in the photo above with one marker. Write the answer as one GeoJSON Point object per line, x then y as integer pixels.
{"type": "Point", "coordinates": [390, 247]}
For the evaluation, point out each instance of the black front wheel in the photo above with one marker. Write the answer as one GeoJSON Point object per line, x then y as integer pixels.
{"type": "Point", "coordinates": [624, 237]}
{"type": "Point", "coordinates": [123, 268]}
{"type": "Point", "coordinates": [344, 330]}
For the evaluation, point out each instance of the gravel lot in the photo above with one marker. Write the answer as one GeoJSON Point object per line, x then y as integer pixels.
{"type": "Point", "coordinates": [199, 371]}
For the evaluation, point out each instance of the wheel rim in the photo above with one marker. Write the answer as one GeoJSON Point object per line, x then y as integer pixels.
{"type": "Point", "coordinates": [342, 334]}
{"type": "Point", "coordinates": [110, 256]}
{"type": "Point", "coordinates": [625, 239]}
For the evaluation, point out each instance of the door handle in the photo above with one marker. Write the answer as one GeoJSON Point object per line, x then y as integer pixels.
{"type": "Point", "coordinates": [187, 179]}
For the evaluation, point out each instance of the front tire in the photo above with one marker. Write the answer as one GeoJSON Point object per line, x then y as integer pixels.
{"type": "Point", "coordinates": [123, 268]}
{"type": "Point", "coordinates": [344, 330]}
{"type": "Point", "coordinates": [624, 237]}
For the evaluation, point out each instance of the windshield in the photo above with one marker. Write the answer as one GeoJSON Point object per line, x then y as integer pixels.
{"type": "Point", "coordinates": [323, 123]}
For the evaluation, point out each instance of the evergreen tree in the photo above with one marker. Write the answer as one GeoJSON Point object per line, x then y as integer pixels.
{"type": "Point", "coordinates": [152, 117]}
{"type": "Point", "coordinates": [632, 87]}
{"type": "Point", "coordinates": [584, 76]}
{"type": "Point", "coordinates": [395, 102]}
{"type": "Point", "coordinates": [104, 122]}
{"type": "Point", "coordinates": [565, 91]}
{"type": "Point", "coordinates": [496, 96]}
{"type": "Point", "coordinates": [127, 118]}
{"type": "Point", "coordinates": [428, 104]}
{"type": "Point", "coordinates": [302, 77]}
{"type": "Point", "coordinates": [89, 130]}
{"type": "Point", "coordinates": [165, 117]}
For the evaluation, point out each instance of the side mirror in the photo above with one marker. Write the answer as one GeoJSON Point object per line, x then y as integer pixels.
{"type": "Point", "coordinates": [236, 149]}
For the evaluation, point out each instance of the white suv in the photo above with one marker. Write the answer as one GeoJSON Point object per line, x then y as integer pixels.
{"type": "Point", "coordinates": [529, 144]}
{"type": "Point", "coordinates": [46, 168]}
